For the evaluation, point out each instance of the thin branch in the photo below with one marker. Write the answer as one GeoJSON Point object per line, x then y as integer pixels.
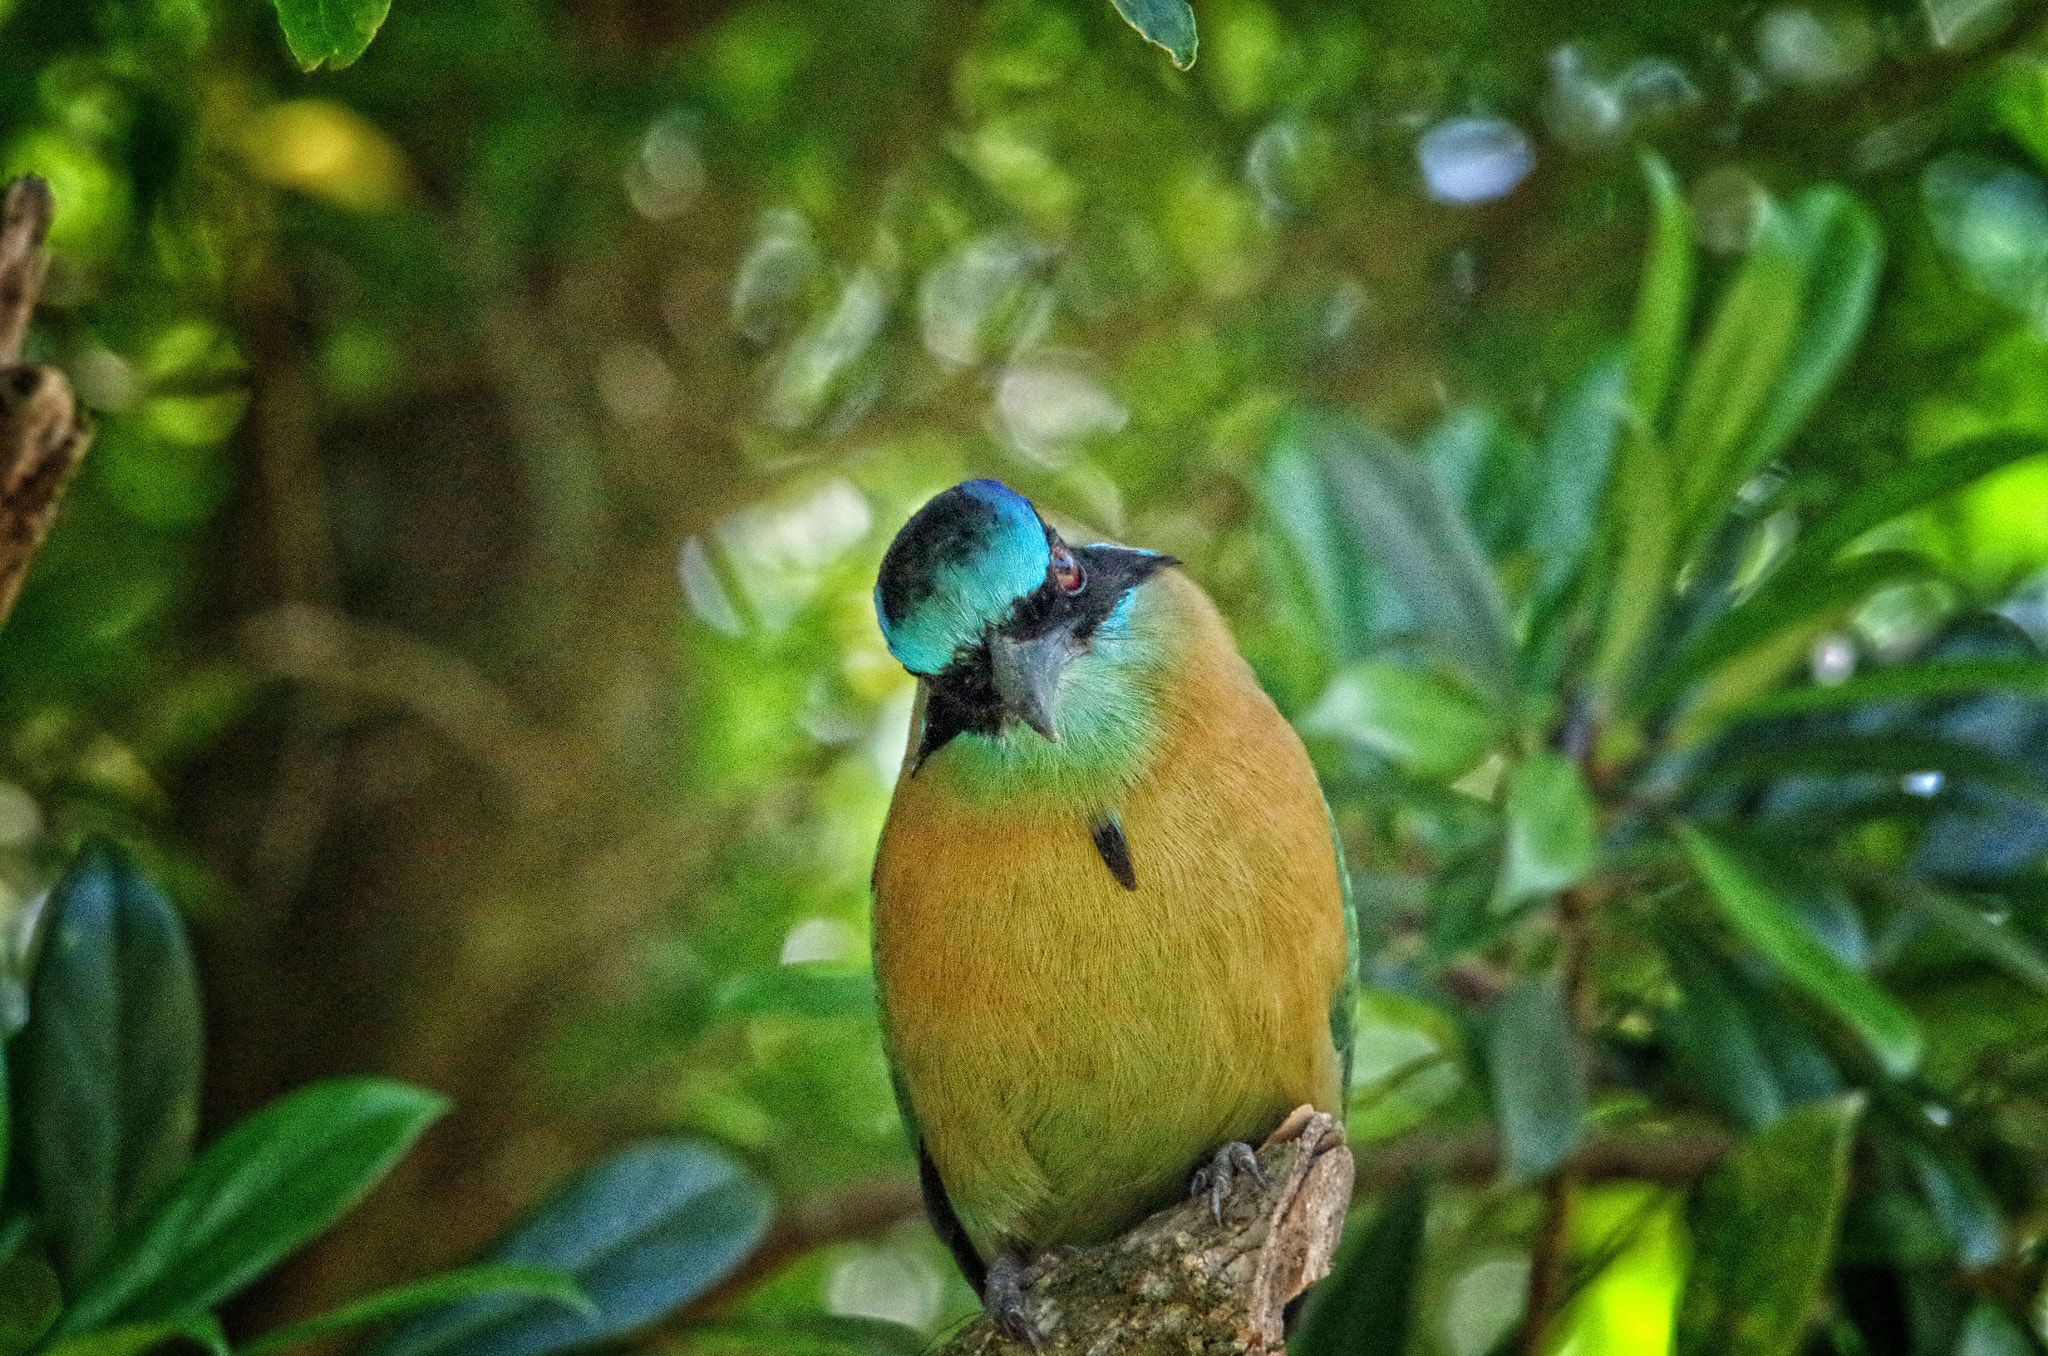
{"type": "Point", "coordinates": [25, 212]}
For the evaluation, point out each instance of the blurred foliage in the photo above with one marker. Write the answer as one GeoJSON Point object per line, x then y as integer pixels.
{"type": "Point", "coordinates": [1611, 429]}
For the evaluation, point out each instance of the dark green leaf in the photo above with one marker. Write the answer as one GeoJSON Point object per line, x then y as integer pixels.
{"type": "Point", "coordinates": [1573, 462]}
{"type": "Point", "coordinates": [1989, 1332]}
{"type": "Point", "coordinates": [1663, 297]}
{"type": "Point", "coordinates": [1763, 1231]}
{"type": "Point", "coordinates": [820, 1333]}
{"type": "Point", "coordinates": [1340, 580]}
{"type": "Point", "coordinates": [1905, 489]}
{"type": "Point", "coordinates": [1766, 922]}
{"type": "Point", "coordinates": [2005, 947]}
{"type": "Point", "coordinates": [29, 1300]}
{"type": "Point", "coordinates": [332, 31]}
{"type": "Point", "coordinates": [1933, 678]}
{"type": "Point", "coordinates": [1419, 723]}
{"type": "Point", "coordinates": [133, 1339]}
{"type": "Point", "coordinates": [401, 1301]}
{"type": "Point", "coordinates": [108, 1065]}
{"type": "Point", "coordinates": [1539, 1082]}
{"type": "Point", "coordinates": [1169, 24]}
{"type": "Point", "coordinates": [1390, 505]}
{"type": "Point", "coordinates": [1553, 837]}
{"type": "Point", "coordinates": [258, 1192]}
{"type": "Point", "coordinates": [1711, 1033]}
{"type": "Point", "coordinates": [1895, 754]}
{"type": "Point", "coordinates": [1960, 1201]}
{"type": "Point", "coordinates": [1367, 1303]}
{"type": "Point", "coordinates": [642, 1233]}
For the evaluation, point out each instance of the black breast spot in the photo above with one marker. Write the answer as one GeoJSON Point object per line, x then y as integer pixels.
{"type": "Point", "coordinates": [1116, 853]}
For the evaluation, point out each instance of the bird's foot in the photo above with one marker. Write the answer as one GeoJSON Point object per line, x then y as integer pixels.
{"type": "Point", "coordinates": [1002, 1295]}
{"type": "Point", "coordinates": [1216, 1178]}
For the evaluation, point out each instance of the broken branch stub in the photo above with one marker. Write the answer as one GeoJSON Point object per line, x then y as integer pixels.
{"type": "Point", "coordinates": [1181, 1281]}
{"type": "Point", "coordinates": [42, 436]}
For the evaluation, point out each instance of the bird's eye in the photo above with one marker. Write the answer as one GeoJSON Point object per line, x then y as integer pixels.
{"type": "Point", "coordinates": [1066, 571]}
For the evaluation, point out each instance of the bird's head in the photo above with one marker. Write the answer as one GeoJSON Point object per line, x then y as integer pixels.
{"type": "Point", "coordinates": [981, 599]}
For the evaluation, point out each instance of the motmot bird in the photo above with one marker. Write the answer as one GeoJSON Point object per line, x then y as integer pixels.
{"type": "Point", "coordinates": [1111, 940]}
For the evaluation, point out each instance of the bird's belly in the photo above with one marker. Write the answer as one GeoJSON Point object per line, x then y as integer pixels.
{"type": "Point", "coordinates": [1072, 1050]}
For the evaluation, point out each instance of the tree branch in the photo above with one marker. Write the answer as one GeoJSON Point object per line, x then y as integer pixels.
{"type": "Point", "coordinates": [41, 434]}
{"type": "Point", "coordinates": [1184, 1280]}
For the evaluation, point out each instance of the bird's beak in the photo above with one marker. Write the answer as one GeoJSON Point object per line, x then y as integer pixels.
{"type": "Point", "coordinates": [1027, 675]}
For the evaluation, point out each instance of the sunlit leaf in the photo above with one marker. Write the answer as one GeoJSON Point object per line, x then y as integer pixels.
{"type": "Point", "coordinates": [257, 1193]}
{"type": "Point", "coordinates": [1553, 838]}
{"type": "Point", "coordinates": [1420, 723]}
{"type": "Point", "coordinates": [133, 1339]}
{"type": "Point", "coordinates": [1168, 24]}
{"type": "Point", "coordinates": [1389, 504]}
{"type": "Point", "coordinates": [108, 1065]}
{"type": "Point", "coordinates": [1539, 1081]}
{"type": "Point", "coordinates": [1763, 1231]}
{"type": "Point", "coordinates": [640, 1234]}
{"type": "Point", "coordinates": [1766, 922]}
{"type": "Point", "coordinates": [1367, 1304]}
{"type": "Point", "coordinates": [334, 32]}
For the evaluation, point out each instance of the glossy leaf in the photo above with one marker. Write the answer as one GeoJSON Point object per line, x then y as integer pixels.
{"type": "Point", "coordinates": [1663, 297]}
{"type": "Point", "coordinates": [1339, 578]}
{"type": "Point", "coordinates": [1539, 1081]}
{"type": "Point", "coordinates": [1763, 1229]}
{"type": "Point", "coordinates": [1767, 923]}
{"type": "Point", "coordinates": [257, 1193]}
{"type": "Point", "coordinates": [1367, 1304]}
{"type": "Point", "coordinates": [1553, 836]}
{"type": "Point", "coordinates": [641, 1234]}
{"type": "Point", "coordinates": [333, 32]}
{"type": "Point", "coordinates": [1892, 754]}
{"type": "Point", "coordinates": [108, 1065]}
{"type": "Point", "coordinates": [1166, 24]}
{"type": "Point", "coordinates": [1418, 722]}
{"type": "Point", "coordinates": [133, 1339]}
{"type": "Point", "coordinates": [402, 1301]}
{"type": "Point", "coordinates": [1389, 504]}
{"type": "Point", "coordinates": [1574, 460]}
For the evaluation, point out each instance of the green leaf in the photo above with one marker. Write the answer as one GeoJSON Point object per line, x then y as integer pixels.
{"type": "Point", "coordinates": [1844, 254]}
{"type": "Point", "coordinates": [332, 31]}
{"type": "Point", "coordinates": [108, 1065]}
{"type": "Point", "coordinates": [815, 1335]}
{"type": "Point", "coordinates": [132, 1339]}
{"type": "Point", "coordinates": [1763, 1229]}
{"type": "Point", "coordinates": [803, 988]}
{"type": "Point", "coordinates": [1539, 1082]}
{"type": "Point", "coordinates": [1392, 507]}
{"type": "Point", "coordinates": [1168, 24]}
{"type": "Point", "coordinates": [1663, 297]}
{"type": "Point", "coordinates": [642, 1233]}
{"type": "Point", "coordinates": [1711, 1033]}
{"type": "Point", "coordinates": [1905, 489]}
{"type": "Point", "coordinates": [1804, 605]}
{"type": "Point", "coordinates": [1893, 754]}
{"type": "Point", "coordinates": [401, 1301]}
{"type": "Point", "coordinates": [1735, 369]}
{"type": "Point", "coordinates": [1575, 458]}
{"type": "Point", "coordinates": [1339, 580]}
{"type": "Point", "coordinates": [1642, 528]}
{"type": "Point", "coordinates": [2006, 948]}
{"type": "Point", "coordinates": [1367, 1303]}
{"type": "Point", "coordinates": [29, 1300]}
{"type": "Point", "coordinates": [256, 1194]}
{"type": "Point", "coordinates": [1420, 723]}
{"type": "Point", "coordinates": [1987, 1331]}
{"type": "Point", "coordinates": [1767, 923]}
{"type": "Point", "coordinates": [1553, 837]}
{"type": "Point", "coordinates": [1925, 680]}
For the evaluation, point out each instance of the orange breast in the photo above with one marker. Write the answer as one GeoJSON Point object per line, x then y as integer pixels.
{"type": "Point", "coordinates": [1072, 1049]}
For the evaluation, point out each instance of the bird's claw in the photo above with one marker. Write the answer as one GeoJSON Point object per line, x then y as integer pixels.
{"type": "Point", "coordinates": [1216, 1178]}
{"type": "Point", "coordinates": [1002, 1295]}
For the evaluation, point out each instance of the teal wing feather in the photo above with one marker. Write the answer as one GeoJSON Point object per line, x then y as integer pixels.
{"type": "Point", "coordinates": [1344, 1008]}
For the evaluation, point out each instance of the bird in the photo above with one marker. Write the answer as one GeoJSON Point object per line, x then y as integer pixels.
{"type": "Point", "coordinates": [1112, 940]}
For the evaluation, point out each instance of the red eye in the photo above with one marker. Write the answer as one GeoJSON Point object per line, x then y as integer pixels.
{"type": "Point", "coordinates": [1066, 571]}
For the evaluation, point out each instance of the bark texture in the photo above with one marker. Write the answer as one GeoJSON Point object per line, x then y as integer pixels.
{"type": "Point", "coordinates": [41, 434]}
{"type": "Point", "coordinates": [1185, 1282]}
